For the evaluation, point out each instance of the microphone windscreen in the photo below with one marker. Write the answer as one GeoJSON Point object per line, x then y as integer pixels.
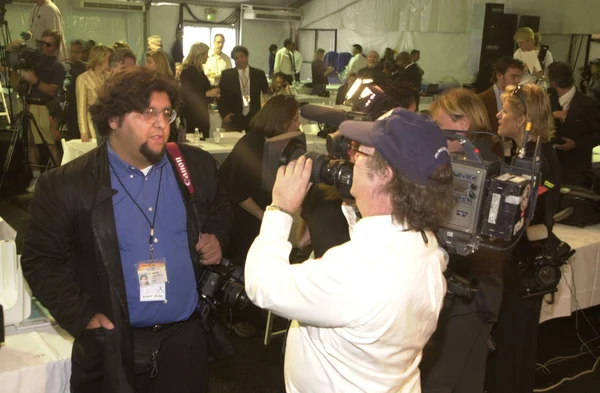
{"type": "Point", "coordinates": [323, 114]}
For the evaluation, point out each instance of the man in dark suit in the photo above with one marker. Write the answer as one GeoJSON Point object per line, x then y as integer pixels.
{"type": "Point", "coordinates": [410, 71]}
{"type": "Point", "coordinates": [578, 125]}
{"type": "Point", "coordinates": [240, 91]}
{"type": "Point", "coordinates": [507, 72]}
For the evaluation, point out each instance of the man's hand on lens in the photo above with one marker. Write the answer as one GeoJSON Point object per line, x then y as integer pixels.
{"type": "Point", "coordinates": [29, 76]}
{"type": "Point", "coordinates": [100, 321]}
{"type": "Point", "coordinates": [210, 248]}
{"type": "Point", "coordinates": [292, 184]}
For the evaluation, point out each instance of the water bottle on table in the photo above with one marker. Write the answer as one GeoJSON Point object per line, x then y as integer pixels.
{"type": "Point", "coordinates": [196, 135]}
{"type": "Point", "coordinates": [217, 135]}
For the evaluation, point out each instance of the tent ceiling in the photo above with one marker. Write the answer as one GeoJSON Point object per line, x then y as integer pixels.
{"type": "Point", "coordinates": [269, 3]}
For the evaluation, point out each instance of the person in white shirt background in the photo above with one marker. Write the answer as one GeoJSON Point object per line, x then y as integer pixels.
{"type": "Point", "coordinates": [217, 60]}
{"type": "Point", "coordinates": [356, 63]}
{"type": "Point", "coordinates": [285, 61]}
{"type": "Point", "coordinates": [45, 15]}
{"type": "Point", "coordinates": [529, 41]}
{"type": "Point", "coordinates": [364, 311]}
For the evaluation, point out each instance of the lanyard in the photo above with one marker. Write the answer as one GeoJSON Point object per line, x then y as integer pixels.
{"type": "Point", "coordinates": [151, 241]}
{"type": "Point", "coordinates": [35, 12]}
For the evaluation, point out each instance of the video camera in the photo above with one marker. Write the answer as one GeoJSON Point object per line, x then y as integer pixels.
{"type": "Point", "coordinates": [23, 57]}
{"type": "Point", "coordinates": [494, 202]}
{"type": "Point", "coordinates": [367, 100]}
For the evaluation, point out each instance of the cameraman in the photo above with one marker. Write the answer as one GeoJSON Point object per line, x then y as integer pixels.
{"type": "Point", "coordinates": [362, 313]}
{"type": "Point", "coordinates": [42, 85]}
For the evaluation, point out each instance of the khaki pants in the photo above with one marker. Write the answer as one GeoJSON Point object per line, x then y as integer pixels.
{"type": "Point", "coordinates": [40, 114]}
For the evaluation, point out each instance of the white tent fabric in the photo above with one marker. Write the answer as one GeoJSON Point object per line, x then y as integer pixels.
{"type": "Point", "coordinates": [440, 28]}
{"type": "Point", "coordinates": [107, 27]}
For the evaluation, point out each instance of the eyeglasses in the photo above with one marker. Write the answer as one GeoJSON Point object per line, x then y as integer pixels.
{"type": "Point", "coordinates": [517, 92]}
{"type": "Point", "coordinates": [47, 44]}
{"type": "Point", "coordinates": [150, 115]}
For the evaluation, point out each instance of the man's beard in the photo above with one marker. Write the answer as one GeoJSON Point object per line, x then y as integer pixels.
{"type": "Point", "coordinates": [150, 155]}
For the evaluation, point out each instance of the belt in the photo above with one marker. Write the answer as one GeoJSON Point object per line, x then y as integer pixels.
{"type": "Point", "coordinates": [35, 101]}
{"type": "Point", "coordinates": [164, 326]}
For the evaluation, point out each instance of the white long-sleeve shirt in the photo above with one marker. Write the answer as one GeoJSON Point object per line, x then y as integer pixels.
{"type": "Point", "coordinates": [283, 62]}
{"type": "Point", "coordinates": [44, 17]}
{"type": "Point", "coordinates": [362, 313]}
{"type": "Point", "coordinates": [356, 63]}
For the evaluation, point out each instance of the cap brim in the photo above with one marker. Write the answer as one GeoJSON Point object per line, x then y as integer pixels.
{"type": "Point", "coordinates": [359, 131]}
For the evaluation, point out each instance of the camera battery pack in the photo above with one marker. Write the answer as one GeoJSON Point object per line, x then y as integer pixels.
{"type": "Point", "coordinates": [506, 206]}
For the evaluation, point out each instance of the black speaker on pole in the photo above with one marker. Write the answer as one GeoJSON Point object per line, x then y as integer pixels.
{"type": "Point", "coordinates": [492, 38]}
{"type": "Point", "coordinates": [533, 22]}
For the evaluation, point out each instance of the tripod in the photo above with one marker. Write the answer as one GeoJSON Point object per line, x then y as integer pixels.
{"type": "Point", "coordinates": [22, 129]}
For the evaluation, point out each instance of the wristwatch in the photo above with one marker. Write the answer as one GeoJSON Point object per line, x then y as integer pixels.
{"type": "Point", "coordinates": [277, 208]}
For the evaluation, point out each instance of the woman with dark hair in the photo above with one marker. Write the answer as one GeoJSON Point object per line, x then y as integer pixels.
{"type": "Point", "coordinates": [241, 173]}
{"type": "Point", "coordinates": [241, 177]}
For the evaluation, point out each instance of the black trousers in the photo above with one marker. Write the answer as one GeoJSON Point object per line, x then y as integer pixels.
{"type": "Point", "coordinates": [511, 368]}
{"type": "Point", "coordinates": [182, 360]}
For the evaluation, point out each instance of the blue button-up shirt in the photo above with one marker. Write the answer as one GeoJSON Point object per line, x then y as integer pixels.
{"type": "Point", "coordinates": [171, 239]}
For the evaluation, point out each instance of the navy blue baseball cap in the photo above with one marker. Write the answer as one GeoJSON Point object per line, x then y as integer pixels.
{"type": "Point", "coordinates": [411, 143]}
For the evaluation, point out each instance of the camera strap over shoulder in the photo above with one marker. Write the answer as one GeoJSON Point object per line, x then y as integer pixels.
{"type": "Point", "coordinates": [182, 168]}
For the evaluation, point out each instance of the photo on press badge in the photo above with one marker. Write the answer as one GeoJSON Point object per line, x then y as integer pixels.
{"type": "Point", "coordinates": [144, 280]}
{"type": "Point", "coordinates": [152, 279]}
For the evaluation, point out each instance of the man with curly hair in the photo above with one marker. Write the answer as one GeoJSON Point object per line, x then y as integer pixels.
{"type": "Point", "coordinates": [116, 244]}
{"type": "Point", "coordinates": [364, 311]}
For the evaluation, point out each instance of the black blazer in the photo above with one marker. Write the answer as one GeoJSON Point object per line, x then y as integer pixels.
{"type": "Point", "coordinates": [231, 96]}
{"type": "Point", "coordinates": [583, 126]}
{"type": "Point", "coordinates": [412, 74]}
{"type": "Point", "coordinates": [72, 263]}
{"type": "Point", "coordinates": [194, 85]}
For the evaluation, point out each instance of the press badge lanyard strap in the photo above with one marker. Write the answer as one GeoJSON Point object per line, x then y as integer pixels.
{"type": "Point", "coordinates": [151, 241]}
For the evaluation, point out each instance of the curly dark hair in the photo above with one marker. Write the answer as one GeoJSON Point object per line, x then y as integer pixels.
{"type": "Point", "coordinates": [400, 94]}
{"type": "Point", "coordinates": [129, 91]}
{"type": "Point", "coordinates": [415, 206]}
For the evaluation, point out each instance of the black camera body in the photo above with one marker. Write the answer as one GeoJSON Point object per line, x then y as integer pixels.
{"type": "Point", "coordinates": [223, 284]}
{"type": "Point", "coordinates": [23, 58]}
{"type": "Point", "coordinates": [540, 271]}
{"type": "Point", "coordinates": [333, 170]}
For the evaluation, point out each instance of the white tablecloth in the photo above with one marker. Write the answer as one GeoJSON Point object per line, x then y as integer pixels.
{"type": "Point", "coordinates": [6, 231]}
{"type": "Point", "coordinates": [37, 360]}
{"type": "Point", "coordinates": [582, 273]}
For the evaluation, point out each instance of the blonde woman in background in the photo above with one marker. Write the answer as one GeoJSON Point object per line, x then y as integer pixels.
{"type": "Point", "coordinates": [157, 61]}
{"type": "Point", "coordinates": [196, 89]}
{"type": "Point", "coordinates": [456, 360]}
{"type": "Point", "coordinates": [86, 89]}
{"type": "Point", "coordinates": [463, 110]}
{"type": "Point", "coordinates": [529, 41]}
{"type": "Point", "coordinates": [513, 364]}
